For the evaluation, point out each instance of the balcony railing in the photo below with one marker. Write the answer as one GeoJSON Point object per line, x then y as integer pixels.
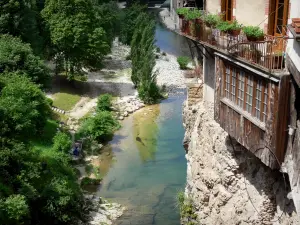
{"type": "Point", "coordinates": [267, 54]}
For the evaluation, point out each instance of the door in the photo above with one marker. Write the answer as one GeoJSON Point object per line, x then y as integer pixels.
{"type": "Point", "coordinates": [278, 17]}
{"type": "Point", "coordinates": [227, 8]}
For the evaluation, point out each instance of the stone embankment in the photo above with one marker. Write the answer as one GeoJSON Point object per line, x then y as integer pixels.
{"type": "Point", "coordinates": [228, 184]}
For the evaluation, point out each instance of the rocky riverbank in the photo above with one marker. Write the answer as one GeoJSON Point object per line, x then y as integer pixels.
{"type": "Point", "coordinates": [228, 184]}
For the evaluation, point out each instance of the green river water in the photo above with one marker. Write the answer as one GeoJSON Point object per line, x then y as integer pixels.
{"type": "Point", "coordinates": [148, 166]}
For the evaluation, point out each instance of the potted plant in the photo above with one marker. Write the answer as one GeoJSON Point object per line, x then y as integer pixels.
{"type": "Point", "coordinates": [211, 20]}
{"type": "Point", "coordinates": [181, 13]}
{"type": "Point", "coordinates": [254, 33]}
{"type": "Point", "coordinates": [191, 16]}
{"type": "Point", "coordinates": [235, 28]}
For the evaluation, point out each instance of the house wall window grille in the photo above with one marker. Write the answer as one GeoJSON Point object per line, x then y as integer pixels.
{"type": "Point", "coordinates": [246, 91]}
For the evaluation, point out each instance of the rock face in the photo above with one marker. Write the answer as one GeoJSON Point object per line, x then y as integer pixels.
{"type": "Point", "coordinates": [228, 184]}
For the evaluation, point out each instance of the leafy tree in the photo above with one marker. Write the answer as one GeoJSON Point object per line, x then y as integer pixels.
{"type": "Point", "coordinates": [143, 59]}
{"type": "Point", "coordinates": [75, 33]}
{"type": "Point", "coordinates": [129, 22]}
{"type": "Point", "coordinates": [21, 18]}
{"type": "Point", "coordinates": [62, 142]}
{"type": "Point", "coordinates": [104, 102]}
{"type": "Point", "coordinates": [101, 127]}
{"type": "Point", "coordinates": [23, 107]}
{"type": "Point", "coordinates": [18, 56]}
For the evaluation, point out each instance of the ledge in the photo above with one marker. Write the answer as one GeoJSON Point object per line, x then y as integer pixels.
{"type": "Point", "coordinates": [244, 114]}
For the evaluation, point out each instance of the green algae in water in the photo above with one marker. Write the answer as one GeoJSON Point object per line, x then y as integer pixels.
{"type": "Point", "coordinates": [145, 131]}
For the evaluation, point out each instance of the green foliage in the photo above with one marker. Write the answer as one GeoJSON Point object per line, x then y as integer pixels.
{"type": "Point", "coordinates": [21, 18]}
{"type": "Point", "coordinates": [14, 209]}
{"type": "Point", "coordinates": [211, 20]}
{"type": "Point", "coordinates": [129, 21]}
{"type": "Point", "coordinates": [187, 211]}
{"type": "Point", "coordinates": [89, 181]}
{"type": "Point", "coordinates": [143, 59]}
{"type": "Point", "coordinates": [253, 31]}
{"type": "Point", "coordinates": [183, 61]}
{"type": "Point", "coordinates": [193, 14]}
{"type": "Point", "coordinates": [50, 101]}
{"type": "Point", "coordinates": [101, 127]}
{"type": "Point", "coordinates": [23, 107]}
{"type": "Point", "coordinates": [62, 142]}
{"type": "Point", "coordinates": [182, 11]}
{"type": "Point", "coordinates": [104, 102]}
{"type": "Point", "coordinates": [76, 33]}
{"type": "Point", "coordinates": [18, 56]}
{"type": "Point", "coordinates": [226, 26]}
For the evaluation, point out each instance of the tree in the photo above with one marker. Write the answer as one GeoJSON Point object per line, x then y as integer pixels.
{"type": "Point", "coordinates": [18, 56]}
{"type": "Point", "coordinates": [76, 34]}
{"type": "Point", "coordinates": [62, 142]}
{"type": "Point", "coordinates": [101, 127]}
{"type": "Point", "coordinates": [143, 59]}
{"type": "Point", "coordinates": [129, 22]}
{"type": "Point", "coordinates": [21, 18]}
{"type": "Point", "coordinates": [23, 107]}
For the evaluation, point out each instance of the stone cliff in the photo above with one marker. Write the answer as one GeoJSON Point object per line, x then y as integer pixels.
{"type": "Point", "coordinates": [228, 184]}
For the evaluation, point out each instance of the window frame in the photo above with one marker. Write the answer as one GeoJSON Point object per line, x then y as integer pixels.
{"type": "Point", "coordinates": [247, 91]}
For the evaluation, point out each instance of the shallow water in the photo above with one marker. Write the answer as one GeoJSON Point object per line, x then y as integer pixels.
{"type": "Point", "coordinates": [149, 167]}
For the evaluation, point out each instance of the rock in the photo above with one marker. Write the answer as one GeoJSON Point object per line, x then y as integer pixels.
{"type": "Point", "coordinates": [121, 118]}
{"type": "Point", "coordinates": [125, 114]}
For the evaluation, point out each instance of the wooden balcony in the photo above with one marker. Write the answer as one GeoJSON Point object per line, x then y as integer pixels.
{"type": "Point", "coordinates": [267, 54]}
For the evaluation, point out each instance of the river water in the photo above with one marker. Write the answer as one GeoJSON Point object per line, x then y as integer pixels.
{"type": "Point", "coordinates": [144, 165]}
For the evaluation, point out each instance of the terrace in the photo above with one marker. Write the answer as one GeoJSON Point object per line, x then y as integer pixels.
{"type": "Point", "coordinates": [266, 54]}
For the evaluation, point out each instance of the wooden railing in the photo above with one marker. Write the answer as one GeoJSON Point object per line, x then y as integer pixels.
{"type": "Point", "coordinates": [268, 54]}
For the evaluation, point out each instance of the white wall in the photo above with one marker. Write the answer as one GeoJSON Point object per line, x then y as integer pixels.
{"type": "Point", "coordinates": [250, 12]}
{"type": "Point", "coordinates": [293, 47]}
{"type": "Point", "coordinates": [213, 6]}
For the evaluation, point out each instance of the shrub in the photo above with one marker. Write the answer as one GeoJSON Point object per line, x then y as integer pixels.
{"type": "Point", "coordinates": [182, 11]}
{"type": "Point", "coordinates": [50, 101]}
{"type": "Point", "coordinates": [164, 54]}
{"type": "Point", "coordinates": [62, 142]}
{"type": "Point", "coordinates": [211, 19]}
{"type": "Point", "coordinates": [89, 181]}
{"type": "Point", "coordinates": [183, 61]}
{"type": "Point", "coordinates": [101, 127]}
{"type": "Point", "coordinates": [193, 14]}
{"type": "Point", "coordinates": [128, 57]}
{"type": "Point", "coordinates": [253, 31]}
{"type": "Point", "coordinates": [104, 102]}
{"type": "Point", "coordinates": [149, 92]}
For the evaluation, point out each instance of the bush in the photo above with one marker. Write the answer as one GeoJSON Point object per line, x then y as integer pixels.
{"type": "Point", "coordinates": [164, 54]}
{"type": "Point", "coordinates": [104, 102]}
{"type": "Point", "coordinates": [149, 92]}
{"type": "Point", "coordinates": [253, 31]}
{"type": "Point", "coordinates": [128, 57]}
{"type": "Point", "coordinates": [50, 101]}
{"type": "Point", "coordinates": [101, 127]}
{"type": "Point", "coordinates": [182, 11]}
{"type": "Point", "coordinates": [212, 20]}
{"type": "Point", "coordinates": [183, 61]}
{"type": "Point", "coordinates": [62, 142]}
{"type": "Point", "coordinates": [89, 181]}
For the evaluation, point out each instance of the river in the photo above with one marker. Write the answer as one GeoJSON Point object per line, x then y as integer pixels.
{"type": "Point", "coordinates": [144, 164]}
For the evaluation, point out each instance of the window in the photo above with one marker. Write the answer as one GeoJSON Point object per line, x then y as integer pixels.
{"type": "Point", "coordinates": [241, 80]}
{"type": "Point", "coordinates": [248, 92]}
{"type": "Point", "coordinates": [227, 8]}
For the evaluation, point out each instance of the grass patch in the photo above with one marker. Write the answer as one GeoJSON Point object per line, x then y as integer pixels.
{"type": "Point", "coordinates": [43, 141]}
{"type": "Point", "coordinates": [65, 101]}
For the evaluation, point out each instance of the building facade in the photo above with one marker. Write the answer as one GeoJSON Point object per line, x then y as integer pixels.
{"type": "Point", "coordinates": [254, 85]}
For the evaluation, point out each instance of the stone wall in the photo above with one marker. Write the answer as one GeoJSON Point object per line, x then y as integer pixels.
{"type": "Point", "coordinates": [228, 184]}
{"type": "Point", "coordinates": [194, 93]}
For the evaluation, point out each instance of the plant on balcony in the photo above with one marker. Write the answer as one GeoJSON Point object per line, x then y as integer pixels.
{"type": "Point", "coordinates": [253, 33]}
{"type": "Point", "coordinates": [211, 20]}
{"type": "Point", "coordinates": [182, 12]}
{"type": "Point", "coordinates": [183, 61]}
{"type": "Point", "coordinates": [191, 16]}
{"type": "Point", "coordinates": [234, 28]}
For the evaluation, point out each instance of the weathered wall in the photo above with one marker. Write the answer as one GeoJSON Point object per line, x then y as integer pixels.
{"type": "Point", "coordinates": [208, 75]}
{"type": "Point", "coordinates": [213, 6]}
{"type": "Point", "coordinates": [250, 12]}
{"type": "Point", "coordinates": [221, 179]}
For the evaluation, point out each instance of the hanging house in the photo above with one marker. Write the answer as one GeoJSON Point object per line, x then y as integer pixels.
{"type": "Point", "coordinates": [247, 79]}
